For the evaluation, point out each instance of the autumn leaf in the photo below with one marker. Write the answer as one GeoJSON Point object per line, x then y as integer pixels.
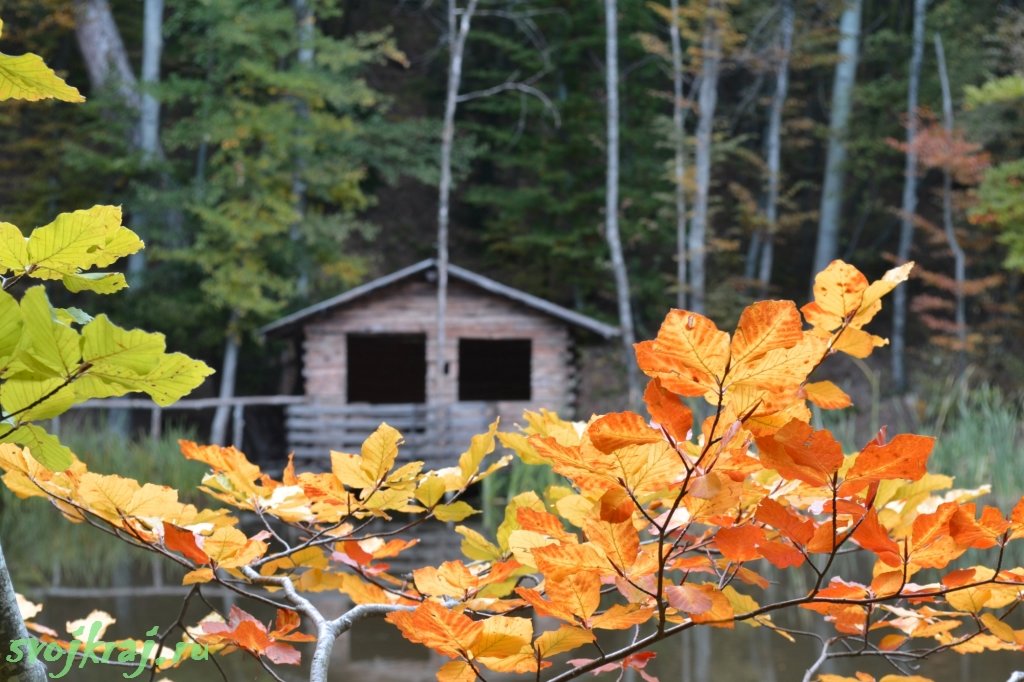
{"type": "Point", "coordinates": [668, 411]}
{"type": "Point", "coordinates": [432, 625]}
{"type": "Point", "coordinates": [799, 452]}
{"type": "Point", "coordinates": [905, 456]}
{"type": "Point", "coordinates": [619, 429]}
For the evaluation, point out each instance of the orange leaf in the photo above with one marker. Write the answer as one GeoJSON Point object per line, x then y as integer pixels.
{"type": "Point", "coordinates": [184, 541]}
{"type": "Point", "coordinates": [799, 452]}
{"type": "Point", "coordinates": [765, 326]}
{"type": "Point", "coordinates": [905, 456]}
{"type": "Point", "coordinates": [872, 536]}
{"type": "Point", "coordinates": [616, 506]}
{"type": "Point", "coordinates": [739, 543]}
{"type": "Point", "coordinates": [688, 599]}
{"type": "Point", "coordinates": [689, 354]}
{"type": "Point", "coordinates": [795, 527]}
{"type": "Point", "coordinates": [667, 411]}
{"type": "Point", "coordinates": [619, 429]}
{"type": "Point", "coordinates": [437, 628]}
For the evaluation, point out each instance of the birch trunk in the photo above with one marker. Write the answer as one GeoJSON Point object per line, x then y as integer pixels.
{"type": "Point", "coordinates": [611, 204]}
{"type": "Point", "coordinates": [959, 259]}
{"type": "Point", "coordinates": [707, 100]}
{"type": "Point", "coordinates": [12, 628]}
{"type": "Point", "coordinates": [899, 307]}
{"type": "Point", "coordinates": [106, 60]}
{"type": "Point", "coordinates": [835, 161]}
{"type": "Point", "coordinates": [764, 275]}
{"type": "Point", "coordinates": [458, 32]}
{"type": "Point", "coordinates": [228, 374]}
{"type": "Point", "coordinates": [304, 20]}
{"type": "Point", "coordinates": [149, 106]}
{"type": "Point", "coordinates": [680, 154]}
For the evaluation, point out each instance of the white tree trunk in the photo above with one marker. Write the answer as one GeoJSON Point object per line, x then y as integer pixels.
{"type": "Point", "coordinates": [679, 129]}
{"type": "Point", "coordinates": [707, 100]}
{"type": "Point", "coordinates": [106, 59]}
{"type": "Point", "coordinates": [458, 32]}
{"type": "Point", "coordinates": [959, 259]}
{"type": "Point", "coordinates": [149, 105]}
{"type": "Point", "coordinates": [775, 144]}
{"type": "Point", "coordinates": [611, 203]}
{"type": "Point", "coordinates": [228, 375]}
{"type": "Point", "coordinates": [842, 101]}
{"type": "Point", "coordinates": [304, 20]}
{"type": "Point", "coordinates": [899, 307]}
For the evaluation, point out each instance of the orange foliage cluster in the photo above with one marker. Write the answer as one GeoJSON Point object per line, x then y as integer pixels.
{"type": "Point", "coordinates": [662, 524]}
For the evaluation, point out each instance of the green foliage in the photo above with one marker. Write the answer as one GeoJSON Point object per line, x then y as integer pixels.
{"type": "Point", "coordinates": [282, 152]}
{"type": "Point", "coordinates": [996, 91]}
{"type": "Point", "coordinates": [53, 358]}
{"type": "Point", "coordinates": [1000, 201]}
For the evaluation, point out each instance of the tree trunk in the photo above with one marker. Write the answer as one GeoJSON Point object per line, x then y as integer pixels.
{"type": "Point", "coordinates": [764, 275]}
{"type": "Point", "coordinates": [304, 20]}
{"type": "Point", "coordinates": [899, 307]}
{"type": "Point", "coordinates": [106, 60]}
{"type": "Point", "coordinates": [835, 161]}
{"type": "Point", "coordinates": [458, 32]}
{"type": "Point", "coordinates": [707, 100]}
{"type": "Point", "coordinates": [12, 628]}
{"type": "Point", "coordinates": [228, 373]}
{"type": "Point", "coordinates": [149, 106]}
{"type": "Point", "coordinates": [611, 203]}
{"type": "Point", "coordinates": [959, 260]}
{"type": "Point", "coordinates": [680, 154]}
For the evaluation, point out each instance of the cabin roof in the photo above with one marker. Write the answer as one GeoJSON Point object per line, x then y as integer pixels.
{"type": "Point", "coordinates": [289, 322]}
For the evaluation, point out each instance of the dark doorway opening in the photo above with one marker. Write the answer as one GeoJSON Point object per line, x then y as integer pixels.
{"type": "Point", "coordinates": [494, 369]}
{"type": "Point", "coordinates": [387, 368]}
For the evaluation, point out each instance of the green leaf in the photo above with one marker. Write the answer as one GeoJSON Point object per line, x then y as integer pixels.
{"type": "Point", "coordinates": [26, 77]}
{"type": "Point", "coordinates": [18, 394]}
{"type": "Point", "coordinates": [70, 316]}
{"type": "Point", "coordinates": [46, 345]}
{"type": "Point", "coordinates": [456, 511]}
{"type": "Point", "coordinates": [10, 327]}
{"type": "Point", "coordinates": [105, 344]}
{"type": "Point", "coordinates": [13, 249]}
{"type": "Point", "coordinates": [78, 241]}
{"type": "Point", "coordinates": [174, 377]}
{"type": "Point", "coordinates": [44, 447]}
{"type": "Point", "coordinates": [96, 282]}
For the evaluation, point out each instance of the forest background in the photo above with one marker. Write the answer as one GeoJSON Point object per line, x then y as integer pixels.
{"type": "Point", "coordinates": [273, 153]}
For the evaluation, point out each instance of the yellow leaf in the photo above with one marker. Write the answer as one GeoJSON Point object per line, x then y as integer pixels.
{"type": "Point", "coordinates": [200, 575]}
{"type": "Point", "coordinates": [456, 671]}
{"type": "Point", "coordinates": [26, 77]}
{"type": "Point", "coordinates": [480, 446]}
{"type": "Point", "coordinates": [379, 452]}
{"type": "Point", "coordinates": [456, 511]}
{"type": "Point", "coordinates": [430, 490]}
{"type": "Point", "coordinates": [475, 546]}
{"type": "Point", "coordinates": [13, 249]}
{"type": "Point", "coordinates": [503, 636]}
{"type": "Point", "coordinates": [565, 638]}
{"type": "Point", "coordinates": [999, 628]}
{"type": "Point", "coordinates": [827, 395]}
{"type": "Point", "coordinates": [347, 469]}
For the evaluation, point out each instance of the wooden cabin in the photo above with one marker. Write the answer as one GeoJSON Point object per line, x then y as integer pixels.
{"type": "Point", "coordinates": [370, 355]}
